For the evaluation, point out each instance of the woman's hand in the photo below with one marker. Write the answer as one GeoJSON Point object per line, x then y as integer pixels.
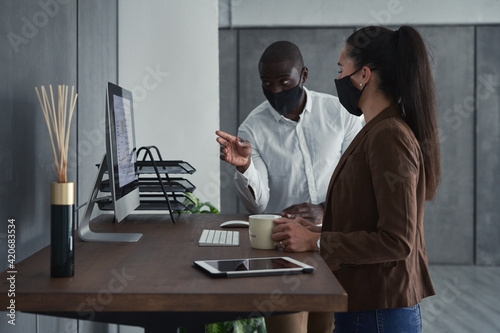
{"type": "Point", "coordinates": [295, 235]}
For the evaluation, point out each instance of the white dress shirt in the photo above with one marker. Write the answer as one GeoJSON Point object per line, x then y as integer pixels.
{"type": "Point", "coordinates": [292, 162]}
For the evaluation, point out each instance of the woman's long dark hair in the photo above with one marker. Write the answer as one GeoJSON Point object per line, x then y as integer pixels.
{"type": "Point", "coordinates": [402, 63]}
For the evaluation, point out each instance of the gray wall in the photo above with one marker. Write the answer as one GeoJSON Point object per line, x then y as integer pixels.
{"type": "Point", "coordinates": [488, 145]}
{"type": "Point", "coordinates": [97, 65]}
{"type": "Point", "coordinates": [47, 54]}
{"type": "Point", "coordinates": [71, 43]}
{"type": "Point", "coordinates": [229, 115]}
{"type": "Point", "coordinates": [449, 222]}
{"type": "Point", "coordinates": [462, 225]}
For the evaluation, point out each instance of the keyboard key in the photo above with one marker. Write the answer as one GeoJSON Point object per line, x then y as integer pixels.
{"type": "Point", "coordinates": [204, 236]}
{"type": "Point", "coordinates": [217, 236]}
{"type": "Point", "coordinates": [236, 238]}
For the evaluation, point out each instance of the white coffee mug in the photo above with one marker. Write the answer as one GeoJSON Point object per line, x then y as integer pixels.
{"type": "Point", "coordinates": [260, 230]}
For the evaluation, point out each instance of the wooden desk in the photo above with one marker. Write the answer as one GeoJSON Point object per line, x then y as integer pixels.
{"type": "Point", "coordinates": [151, 283]}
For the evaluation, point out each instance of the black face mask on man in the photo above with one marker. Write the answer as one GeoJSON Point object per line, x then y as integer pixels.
{"type": "Point", "coordinates": [285, 101]}
{"type": "Point", "coordinates": [349, 95]}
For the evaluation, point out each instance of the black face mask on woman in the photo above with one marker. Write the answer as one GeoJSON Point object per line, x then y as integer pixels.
{"type": "Point", "coordinates": [349, 95]}
{"type": "Point", "coordinates": [285, 101]}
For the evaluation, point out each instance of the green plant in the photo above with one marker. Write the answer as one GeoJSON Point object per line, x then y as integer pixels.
{"type": "Point", "coordinates": [199, 207]}
{"type": "Point", "coordinates": [252, 325]}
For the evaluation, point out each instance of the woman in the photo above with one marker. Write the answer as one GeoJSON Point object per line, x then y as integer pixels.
{"type": "Point", "coordinates": [372, 236]}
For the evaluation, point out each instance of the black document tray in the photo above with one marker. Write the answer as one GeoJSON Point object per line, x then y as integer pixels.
{"type": "Point", "coordinates": [153, 202]}
{"type": "Point", "coordinates": [170, 167]}
{"type": "Point", "coordinates": [153, 185]}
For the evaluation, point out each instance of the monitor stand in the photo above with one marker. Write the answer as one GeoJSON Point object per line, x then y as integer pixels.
{"type": "Point", "coordinates": [84, 231]}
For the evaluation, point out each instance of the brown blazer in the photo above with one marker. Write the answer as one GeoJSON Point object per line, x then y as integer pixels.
{"type": "Point", "coordinates": [373, 228]}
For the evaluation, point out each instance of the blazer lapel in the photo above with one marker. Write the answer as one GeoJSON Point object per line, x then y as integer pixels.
{"type": "Point", "coordinates": [345, 155]}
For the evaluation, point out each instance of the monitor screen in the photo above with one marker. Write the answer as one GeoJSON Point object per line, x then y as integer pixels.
{"type": "Point", "coordinates": [121, 151]}
{"type": "Point", "coordinates": [125, 148]}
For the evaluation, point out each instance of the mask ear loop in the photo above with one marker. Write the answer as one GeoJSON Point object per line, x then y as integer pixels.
{"type": "Point", "coordinates": [349, 76]}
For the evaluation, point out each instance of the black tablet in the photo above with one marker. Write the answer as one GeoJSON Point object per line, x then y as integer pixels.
{"type": "Point", "coordinates": [253, 267]}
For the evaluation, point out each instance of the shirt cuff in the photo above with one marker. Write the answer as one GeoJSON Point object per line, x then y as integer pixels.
{"type": "Point", "coordinates": [249, 177]}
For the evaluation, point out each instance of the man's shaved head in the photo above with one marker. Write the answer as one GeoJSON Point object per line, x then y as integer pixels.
{"type": "Point", "coordinates": [282, 51]}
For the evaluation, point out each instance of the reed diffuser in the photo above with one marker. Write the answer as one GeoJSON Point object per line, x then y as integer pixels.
{"type": "Point", "coordinates": [62, 220]}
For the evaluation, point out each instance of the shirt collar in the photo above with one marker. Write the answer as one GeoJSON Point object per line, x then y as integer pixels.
{"type": "Point", "coordinates": [307, 107]}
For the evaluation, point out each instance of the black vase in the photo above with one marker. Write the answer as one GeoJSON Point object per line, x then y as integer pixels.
{"type": "Point", "coordinates": [62, 223]}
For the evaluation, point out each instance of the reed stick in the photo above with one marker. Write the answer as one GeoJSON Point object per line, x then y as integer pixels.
{"type": "Point", "coordinates": [58, 123]}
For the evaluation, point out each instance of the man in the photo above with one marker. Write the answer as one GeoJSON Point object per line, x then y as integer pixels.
{"type": "Point", "coordinates": [287, 149]}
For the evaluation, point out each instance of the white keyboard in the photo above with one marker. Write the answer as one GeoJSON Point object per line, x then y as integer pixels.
{"type": "Point", "coordinates": [219, 238]}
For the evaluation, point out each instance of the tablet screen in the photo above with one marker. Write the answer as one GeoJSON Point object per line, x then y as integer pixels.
{"type": "Point", "coordinates": [251, 264]}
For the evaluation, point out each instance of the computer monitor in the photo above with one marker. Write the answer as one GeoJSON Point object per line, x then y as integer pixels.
{"type": "Point", "coordinates": [121, 151]}
{"type": "Point", "coordinates": [120, 164]}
